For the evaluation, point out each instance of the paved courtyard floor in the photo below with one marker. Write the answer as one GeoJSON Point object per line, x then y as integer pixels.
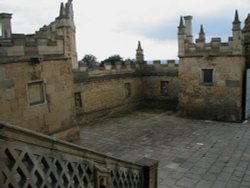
{"type": "Point", "coordinates": [191, 153]}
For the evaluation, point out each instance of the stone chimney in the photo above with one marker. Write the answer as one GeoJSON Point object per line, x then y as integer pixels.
{"type": "Point", "coordinates": [5, 25]}
{"type": "Point", "coordinates": [188, 24]}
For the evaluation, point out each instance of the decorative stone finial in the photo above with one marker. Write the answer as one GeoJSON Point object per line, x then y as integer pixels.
{"type": "Point", "coordinates": [61, 10]}
{"type": "Point", "coordinates": [202, 33]}
{"type": "Point", "coordinates": [139, 53]}
{"type": "Point", "coordinates": [236, 17]}
{"type": "Point", "coordinates": [139, 46]}
{"type": "Point", "coordinates": [181, 22]}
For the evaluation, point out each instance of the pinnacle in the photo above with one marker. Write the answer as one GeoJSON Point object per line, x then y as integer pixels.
{"type": "Point", "coordinates": [236, 17]}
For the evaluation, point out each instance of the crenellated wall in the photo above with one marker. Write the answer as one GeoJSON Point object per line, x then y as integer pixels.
{"type": "Point", "coordinates": [161, 84]}
{"type": "Point", "coordinates": [55, 39]}
{"type": "Point", "coordinates": [188, 47]}
{"type": "Point", "coordinates": [212, 75]}
{"type": "Point", "coordinates": [111, 89]}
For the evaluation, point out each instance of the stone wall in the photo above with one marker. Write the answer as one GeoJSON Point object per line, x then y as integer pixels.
{"type": "Point", "coordinates": [220, 100]}
{"type": "Point", "coordinates": [38, 95]}
{"type": "Point", "coordinates": [161, 85]}
{"type": "Point", "coordinates": [156, 96]}
{"type": "Point", "coordinates": [101, 92]}
{"type": "Point", "coordinates": [107, 95]}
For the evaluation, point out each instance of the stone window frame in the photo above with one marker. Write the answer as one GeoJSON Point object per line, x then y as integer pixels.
{"type": "Point", "coordinates": [43, 93]}
{"type": "Point", "coordinates": [164, 90]}
{"type": "Point", "coordinates": [203, 82]}
{"type": "Point", "coordinates": [78, 103]}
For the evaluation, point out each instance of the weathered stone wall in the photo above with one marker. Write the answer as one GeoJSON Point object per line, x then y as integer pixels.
{"type": "Point", "coordinates": [154, 96]}
{"type": "Point", "coordinates": [221, 100]}
{"type": "Point", "coordinates": [106, 95]}
{"type": "Point", "coordinates": [161, 85]}
{"type": "Point", "coordinates": [38, 96]}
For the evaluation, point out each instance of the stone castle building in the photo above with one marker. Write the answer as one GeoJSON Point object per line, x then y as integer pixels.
{"type": "Point", "coordinates": [212, 76]}
{"type": "Point", "coordinates": [42, 87]}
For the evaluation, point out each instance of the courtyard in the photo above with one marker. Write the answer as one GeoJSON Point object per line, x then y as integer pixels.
{"type": "Point", "coordinates": [191, 153]}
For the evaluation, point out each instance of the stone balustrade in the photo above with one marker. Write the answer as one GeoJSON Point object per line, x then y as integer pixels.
{"type": "Point", "coordinates": [30, 159]}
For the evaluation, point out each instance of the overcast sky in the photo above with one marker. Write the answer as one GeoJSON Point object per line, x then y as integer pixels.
{"type": "Point", "coordinates": [108, 27]}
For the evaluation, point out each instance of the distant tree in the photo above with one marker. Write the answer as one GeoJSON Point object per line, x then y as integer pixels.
{"type": "Point", "coordinates": [112, 59]}
{"type": "Point", "coordinates": [89, 60]}
{"type": "Point", "coordinates": [129, 60]}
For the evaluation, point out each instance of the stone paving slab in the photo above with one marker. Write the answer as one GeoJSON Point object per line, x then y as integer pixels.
{"type": "Point", "coordinates": [191, 153]}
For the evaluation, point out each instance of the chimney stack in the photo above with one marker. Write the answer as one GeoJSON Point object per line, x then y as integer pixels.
{"type": "Point", "coordinates": [5, 23]}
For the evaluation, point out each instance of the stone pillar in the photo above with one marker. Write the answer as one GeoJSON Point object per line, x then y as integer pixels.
{"type": "Point", "coordinates": [5, 24]}
{"type": "Point", "coordinates": [150, 172]}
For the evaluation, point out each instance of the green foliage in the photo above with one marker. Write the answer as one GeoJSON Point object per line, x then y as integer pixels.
{"type": "Point", "coordinates": [128, 60]}
{"type": "Point", "coordinates": [112, 59]}
{"type": "Point", "coordinates": [89, 60]}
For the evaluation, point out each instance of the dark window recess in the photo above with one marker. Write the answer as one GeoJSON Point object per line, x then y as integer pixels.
{"type": "Point", "coordinates": [36, 93]}
{"type": "Point", "coordinates": [207, 75]}
{"type": "Point", "coordinates": [78, 99]}
{"type": "Point", "coordinates": [127, 90]}
{"type": "Point", "coordinates": [164, 88]}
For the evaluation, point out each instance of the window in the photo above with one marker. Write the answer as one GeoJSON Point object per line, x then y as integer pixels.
{"type": "Point", "coordinates": [164, 88]}
{"type": "Point", "coordinates": [36, 93]}
{"type": "Point", "coordinates": [127, 90]}
{"type": "Point", "coordinates": [78, 99]}
{"type": "Point", "coordinates": [207, 76]}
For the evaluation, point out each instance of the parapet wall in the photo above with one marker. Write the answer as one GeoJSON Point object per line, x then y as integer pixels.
{"type": "Point", "coordinates": [214, 48]}
{"type": "Point", "coordinates": [58, 38]}
{"type": "Point", "coordinates": [31, 45]}
{"type": "Point", "coordinates": [188, 47]}
{"type": "Point", "coordinates": [169, 68]}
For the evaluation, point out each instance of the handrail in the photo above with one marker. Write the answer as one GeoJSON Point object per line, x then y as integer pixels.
{"type": "Point", "coordinates": [44, 160]}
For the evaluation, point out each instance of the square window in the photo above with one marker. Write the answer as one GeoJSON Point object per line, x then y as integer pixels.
{"type": "Point", "coordinates": [127, 90]}
{"type": "Point", "coordinates": [207, 76]}
{"type": "Point", "coordinates": [78, 99]}
{"type": "Point", "coordinates": [164, 88]}
{"type": "Point", "coordinates": [36, 93]}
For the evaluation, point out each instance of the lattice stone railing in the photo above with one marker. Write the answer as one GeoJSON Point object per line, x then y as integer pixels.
{"type": "Point", "coordinates": [30, 160]}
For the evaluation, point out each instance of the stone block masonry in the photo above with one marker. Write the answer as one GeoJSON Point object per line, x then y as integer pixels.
{"type": "Point", "coordinates": [31, 96]}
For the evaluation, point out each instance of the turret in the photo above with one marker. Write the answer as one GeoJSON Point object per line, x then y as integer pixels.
{"type": "Point", "coordinates": [181, 37]}
{"type": "Point", "coordinates": [67, 27]}
{"type": "Point", "coordinates": [139, 54]}
{"type": "Point", "coordinates": [202, 34]}
{"type": "Point", "coordinates": [188, 24]}
{"type": "Point", "coordinates": [236, 22]}
{"type": "Point", "coordinates": [5, 25]}
{"type": "Point", "coordinates": [237, 35]}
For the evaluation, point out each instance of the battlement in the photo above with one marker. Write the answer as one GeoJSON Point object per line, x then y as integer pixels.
{"type": "Point", "coordinates": [199, 47]}
{"type": "Point", "coordinates": [49, 40]}
{"type": "Point", "coordinates": [157, 67]}
{"type": "Point", "coordinates": [108, 69]}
